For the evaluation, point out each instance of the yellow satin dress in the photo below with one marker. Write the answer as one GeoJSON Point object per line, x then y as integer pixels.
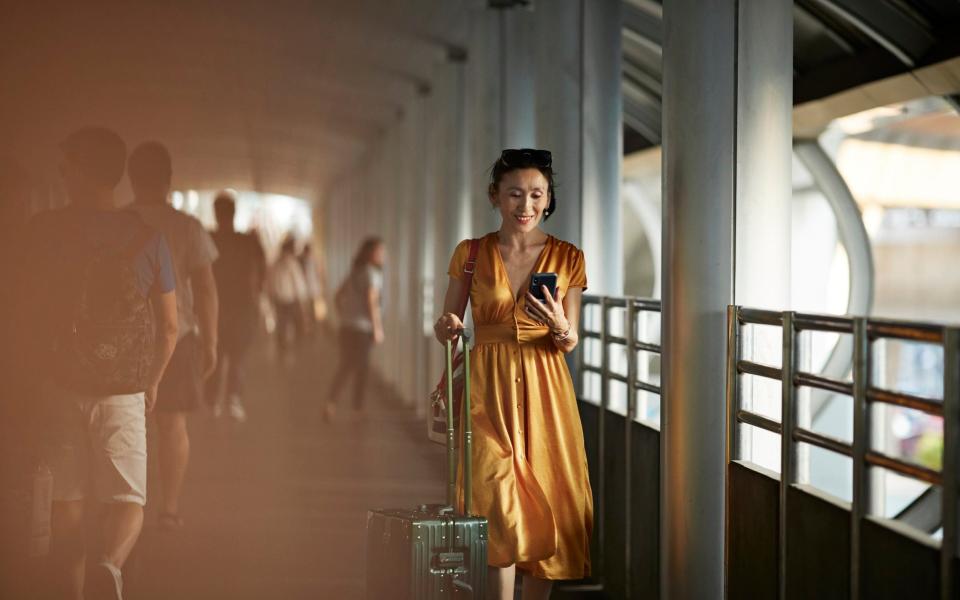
{"type": "Point", "coordinates": [529, 466]}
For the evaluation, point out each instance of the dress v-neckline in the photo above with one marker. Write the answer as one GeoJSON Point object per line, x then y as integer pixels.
{"type": "Point", "coordinates": [503, 265]}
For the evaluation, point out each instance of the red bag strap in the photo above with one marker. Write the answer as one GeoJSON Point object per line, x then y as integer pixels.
{"type": "Point", "coordinates": [468, 269]}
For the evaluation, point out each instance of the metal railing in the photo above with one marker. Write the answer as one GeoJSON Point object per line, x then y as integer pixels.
{"type": "Point", "coordinates": [632, 308]}
{"type": "Point", "coordinates": [864, 394]}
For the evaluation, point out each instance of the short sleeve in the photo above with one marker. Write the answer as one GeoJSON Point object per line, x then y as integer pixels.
{"type": "Point", "coordinates": [374, 278]}
{"type": "Point", "coordinates": [202, 252]}
{"type": "Point", "coordinates": [459, 259]}
{"type": "Point", "coordinates": [578, 270]}
{"type": "Point", "coordinates": [166, 280]}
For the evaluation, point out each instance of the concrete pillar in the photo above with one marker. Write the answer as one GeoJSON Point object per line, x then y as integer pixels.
{"type": "Point", "coordinates": [726, 180]}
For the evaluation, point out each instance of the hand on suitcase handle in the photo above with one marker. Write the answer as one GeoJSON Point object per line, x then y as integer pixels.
{"type": "Point", "coordinates": [448, 328]}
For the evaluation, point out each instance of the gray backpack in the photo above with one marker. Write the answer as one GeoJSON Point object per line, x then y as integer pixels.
{"type": "Point", "coordinates": [109, 347]}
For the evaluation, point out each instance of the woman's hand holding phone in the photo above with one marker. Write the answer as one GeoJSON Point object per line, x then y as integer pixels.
{"type": "Point", "coordinates": [550, 312]}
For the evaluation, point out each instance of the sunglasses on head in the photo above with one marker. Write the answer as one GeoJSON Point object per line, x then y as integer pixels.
{"type": "Point", "coordinates": [526, 157]}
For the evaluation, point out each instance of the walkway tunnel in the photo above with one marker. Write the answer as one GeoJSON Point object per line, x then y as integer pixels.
{"type": "Point", "coordinates": [767, 371]}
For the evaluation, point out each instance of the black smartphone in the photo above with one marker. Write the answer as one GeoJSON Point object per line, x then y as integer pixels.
{"type": "Point", "coordinates": [538, 280]}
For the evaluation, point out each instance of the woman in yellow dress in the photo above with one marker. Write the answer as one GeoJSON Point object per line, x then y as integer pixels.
{"type": "Point", "coordinates": [529, 466]}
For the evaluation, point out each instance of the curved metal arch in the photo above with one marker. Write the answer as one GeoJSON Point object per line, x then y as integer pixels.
{"type": "Point", "coordinates": [853, 236]}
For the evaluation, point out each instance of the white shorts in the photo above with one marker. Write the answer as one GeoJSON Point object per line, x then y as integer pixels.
{"type": "Point", "coordinates": [96, 446]}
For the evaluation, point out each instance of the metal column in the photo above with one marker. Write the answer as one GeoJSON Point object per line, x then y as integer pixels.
{"type": "Point", "coordinates": [726, 87]}
{"type": "Point", "coordinates": [518, 123]}
{"type": "Point", "coordinates": [601, 144]}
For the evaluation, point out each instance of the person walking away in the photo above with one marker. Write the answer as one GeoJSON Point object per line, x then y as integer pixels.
{"type": "Point", "coordinates": [314, 309]}
{"type": "Point", "coordinates": [240, 273]}
{"type": "Point", "coordinates": [288, 291]}
{"type": "Point", "coordinates": [529, 466]}
{"type": "Point", "coordinates": [194, 359]}
{"type": "Point", "coordinates": [100, 315]}
{"type": "Point", "coordinates": [359, 303]}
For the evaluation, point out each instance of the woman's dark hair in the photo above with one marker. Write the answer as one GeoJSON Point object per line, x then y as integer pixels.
{"type": "Point", "coordinates": [362, 258]}
{"type": "Point", "coordinates": [501, 168]}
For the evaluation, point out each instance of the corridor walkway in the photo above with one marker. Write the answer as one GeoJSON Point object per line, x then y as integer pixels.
{"type": "Point", "coordinates": [276, 507]}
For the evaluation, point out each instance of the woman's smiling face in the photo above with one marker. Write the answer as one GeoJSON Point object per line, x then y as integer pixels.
{"type": "Point", "coordinates": [522, 196]}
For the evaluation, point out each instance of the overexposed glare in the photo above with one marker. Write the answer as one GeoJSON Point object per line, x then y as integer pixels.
{"type": "Point", "coordinates": [838, 289]}
{"type": "Point", "coordinates": [865, 121]}
{"type": "Point", "coordinates": [894, 175]}
{"type": "Point", "coordinates": [272, 216]}
{"type": "Point", "coordinates": [872, 219]}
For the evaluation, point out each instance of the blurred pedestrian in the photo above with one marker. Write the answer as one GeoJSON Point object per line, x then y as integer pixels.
{"type": "Point", "coordinates": [315, 310]}
{"type": "Point", "coordinates": [240, 273]}
{"type": "Point", "coordinates": [101, 313]}
{"type": "Point", "coordinates": [359, 304]}
{"type": "Point", "coordinates": [288, 291]}
{"type": "Point", "coordinates": [150, 171]}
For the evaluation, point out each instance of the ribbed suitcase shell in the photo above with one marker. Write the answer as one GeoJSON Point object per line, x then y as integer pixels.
{"type": "Point", "coordinates": [425, 554]}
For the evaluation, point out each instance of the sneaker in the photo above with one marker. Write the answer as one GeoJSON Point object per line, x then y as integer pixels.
{"type": "Point", "coordinates": [237, 412]}
{"type": "Point", "coordinates": [106, 583]}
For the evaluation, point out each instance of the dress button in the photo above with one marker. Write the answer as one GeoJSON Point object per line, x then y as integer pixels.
{"type": "Point", "coordinates": [518, 380]}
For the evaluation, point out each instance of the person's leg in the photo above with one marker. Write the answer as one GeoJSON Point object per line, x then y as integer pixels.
{"type": "Point", "coordinates": [536, 589]}
{"type": "Point", "coordinates": [362, 345]}
{"type": "Point", "coordinates": [67, 549]}
{"type": "Point", "coordinates": [237, 355]}
{"type": "Point", "coordinates": [501, 582]}
{"type": "Point", "coordinates": [174, 446]}
{"type": "Point", "coordinates": [214, 385]}
{"type": "Point", "coordinates": [118, 439]}
{"type": "Point", "coordinates": [344, 367]}
{"type": "Point", "coordinates": [284, 324]}
{"type": "Point", "coordinates": [121, 528]}
{"type": "Point", "coordinates": [65, 443]}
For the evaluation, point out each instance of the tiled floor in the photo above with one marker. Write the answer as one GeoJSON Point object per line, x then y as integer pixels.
{"type": "Point", "coordinates": [276, 507]}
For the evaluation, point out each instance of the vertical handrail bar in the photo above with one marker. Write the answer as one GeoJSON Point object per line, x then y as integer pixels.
{"type": "Point", "coordinates": [601, 431]}
{"type": "Point", "coordinates": [788, 420]}
{"type": "Point", "coordinates": [733, 401]}
{"type": "Point", "coordinates": [451, 434]}
{"type": "Point", "coordinates": [861, 444]}
{"type": "Point", "coordinates": [950, 509]}
{"type": "Point", "coordinates": [630, 323]}
{"type": "Point", "coordinates": [581, 349]}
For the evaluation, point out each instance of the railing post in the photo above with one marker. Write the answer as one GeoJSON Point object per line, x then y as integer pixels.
{"type": "Point", "coordinates": [950, 544]}
{"type": "Point", "coordinates": [601, 511]}
{"type": "Point", "coordinates": [630, 324]}
{"type": "Point", "coordinates": [860, 506]}
{"type": "Point", "coordinates": [788, 423]}
{"type": "Point", "coordinates": [581, 359]}
{"type": "Point", "coordinates": [733, 429]}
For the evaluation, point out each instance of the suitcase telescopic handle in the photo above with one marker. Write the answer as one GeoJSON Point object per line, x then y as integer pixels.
{"type": "Point", "coordinates": [465, 335]}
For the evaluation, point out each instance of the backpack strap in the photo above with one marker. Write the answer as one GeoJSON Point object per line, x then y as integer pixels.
{"type": "Point", "coordinates": [469, 268]}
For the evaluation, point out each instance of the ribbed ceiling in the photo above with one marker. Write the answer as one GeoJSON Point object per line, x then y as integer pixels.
{"type": "Point", "coordinates": [271, 96]}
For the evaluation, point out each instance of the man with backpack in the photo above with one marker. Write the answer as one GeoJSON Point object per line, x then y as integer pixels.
{"type": "Point", "coordinates": [100, 326]}
{"type": "Point", "coordinates": [150, 171]}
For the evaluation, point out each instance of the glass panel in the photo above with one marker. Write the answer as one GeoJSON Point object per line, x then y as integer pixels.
{"type": "Point", "coordinates": [829, 471]}
{"type": "Point", "coordinates": [761, 447]}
